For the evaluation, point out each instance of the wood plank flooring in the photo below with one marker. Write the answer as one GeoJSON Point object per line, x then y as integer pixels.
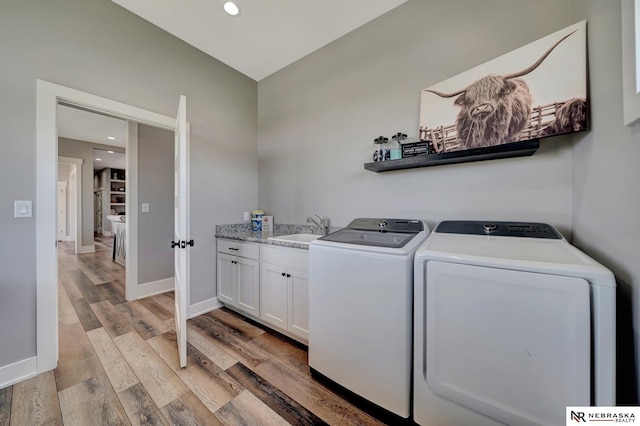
{"type": "Point", "coordinates": [119, 364]}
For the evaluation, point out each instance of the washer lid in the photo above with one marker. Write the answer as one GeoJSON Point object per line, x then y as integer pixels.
{"type": "Point", "coordinates": [369, 238]}
{"type": "Point", "coordinates": [390, 233]}
{"type": "Point", "coordinates": [499, 229]}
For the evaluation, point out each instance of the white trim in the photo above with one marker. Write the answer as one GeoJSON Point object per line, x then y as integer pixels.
{"type": "Point", "coordinates": [132, 292]}
{"type": "Point", "coordinates": [152, 288]}
{"type": "Point", "coordinates": [203, 307]}
{"type": "Point", "coordinates": [87, 249]}
{"type": "Point", "coordinates": [17, 372]}
{"type": "Point", "coordinates": [77, 162]}
{"type": "Point", "coordinates": [46, 256]}
{"type": "Point", "coordinates": [70, 160]}
{"type": "Point", "coordinates": [47, 97]}
{"type": "Point", "coordinates": [62, 185]}
{"type": "Point", "coordinates": [630, 72]}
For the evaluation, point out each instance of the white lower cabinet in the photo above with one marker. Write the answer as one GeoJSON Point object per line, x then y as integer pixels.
{"type": "Point", "coordinates": [238, 277]}
{"type": "Point", "coordinates": [269, 283]}
{"type": "Point", "coordinates": [284, 290]}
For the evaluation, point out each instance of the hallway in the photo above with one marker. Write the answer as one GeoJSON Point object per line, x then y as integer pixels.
{"type": "Point", "coordinates": [118, 364]}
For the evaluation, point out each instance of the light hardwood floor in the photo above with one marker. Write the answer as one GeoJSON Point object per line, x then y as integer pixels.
{"type": "Point", "coordinates": [119, 364]}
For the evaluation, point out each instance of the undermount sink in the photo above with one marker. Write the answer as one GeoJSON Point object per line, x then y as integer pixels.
{"type": "Point", "coordinates": [297, 238]}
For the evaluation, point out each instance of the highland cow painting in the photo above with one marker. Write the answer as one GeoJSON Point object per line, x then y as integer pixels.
{"type": "Point", "coordinates": [536, 91]}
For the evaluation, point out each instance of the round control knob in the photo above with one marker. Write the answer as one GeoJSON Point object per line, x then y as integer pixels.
{"type": "Point", "coordinates": [383, 224]}
{"type": "Point", "coordinates": [489, 227]}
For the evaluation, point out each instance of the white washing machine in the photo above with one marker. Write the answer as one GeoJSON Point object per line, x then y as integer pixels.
{"type": "Point", "coordinates": [511, 325]}
{"type": "Point", "coordinates": [360, 309]}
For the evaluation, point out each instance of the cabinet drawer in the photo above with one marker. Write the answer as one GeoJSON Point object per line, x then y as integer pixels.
{"type": "Point", "coordinates": [284, 256]}
{"type": "Point", "coordinates": [237, 248]}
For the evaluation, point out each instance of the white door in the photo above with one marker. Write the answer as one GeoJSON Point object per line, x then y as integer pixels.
{"type": "Point", "coordinates": [225, 277]}
{"type": "Point", "coordinates": [273, 294]}
{"type": "Point", "coordinates": [181, 243]}
{"type": "Point", "coordinates": [62, 211]}
{"type": "Point", "coordinates": [298, 320]}
{"type": "Point", "coordinates": [73, 193]}
{"type": "Point", "coordinates": [488, 329]}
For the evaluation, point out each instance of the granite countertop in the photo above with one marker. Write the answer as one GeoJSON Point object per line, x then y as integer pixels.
{"type": "Point", "coordinates": [243, 232]}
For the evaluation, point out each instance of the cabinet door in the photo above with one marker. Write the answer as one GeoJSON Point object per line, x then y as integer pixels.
{"type": "Point", "coordinates": [248, 285]}
{"type": "Point", "coordinates": [273, 294]}
{"type": "Point", "coordinates": [298, 322]}
{"type": "Point", "coordinates": [226, 277]}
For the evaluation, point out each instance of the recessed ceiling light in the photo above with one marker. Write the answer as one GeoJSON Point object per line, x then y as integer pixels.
{"type": "Point", "coordinates": [98, 159]}
{"type": "Point", "coordinates": [111, 138]}
{"type": "Point", "coordinates": [231, 8]}
{"type": "Point", "coordinates": [110, 152]}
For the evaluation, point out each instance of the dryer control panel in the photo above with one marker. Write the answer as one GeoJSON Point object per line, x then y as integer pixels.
{"type": "Point", "coordinates": [499, 229]}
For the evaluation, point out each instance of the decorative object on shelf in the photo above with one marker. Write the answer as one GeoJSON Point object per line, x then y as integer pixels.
{"type": "Point", "coordinates": [493, 104]}
{"type": "Point", "coordinates": [381, 149]}
{"type": "Point", "coordinates": [416, 148]}
{"type": "Point", "coordinates": [514, 149]}
{"type": "Point", "coordinates": [396, 143]}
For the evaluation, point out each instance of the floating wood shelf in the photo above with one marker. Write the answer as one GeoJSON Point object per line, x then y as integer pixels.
{"type": "Point", "coordinates": [514, 149]}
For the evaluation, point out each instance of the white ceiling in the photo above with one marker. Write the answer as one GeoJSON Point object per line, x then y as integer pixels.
{"type": "Point", "coordinates": [88, 126]}
{"type": "Point", "coordinates": [102, 159]}
{"type": "Point", "coordinates": [267, 35]}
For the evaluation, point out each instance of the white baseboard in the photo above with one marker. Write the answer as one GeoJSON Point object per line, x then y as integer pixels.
{"type": "Point", "coordinates": [155, 287]}
{"type": "Point", "coordinates": [17, 372]}
{"type": "Point", "coordinates": [203, 307]}
{"type": "Point", "coordinates": [91, 248]}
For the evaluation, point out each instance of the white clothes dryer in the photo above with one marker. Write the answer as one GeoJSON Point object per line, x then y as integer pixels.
{"type": "Point", "coordinates": [512, 324]}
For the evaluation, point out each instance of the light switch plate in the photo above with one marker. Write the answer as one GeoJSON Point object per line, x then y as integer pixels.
{"type": "Point", "coordinates": [22, 208]}
{"type": "Point", "coordinates": [145, 207]}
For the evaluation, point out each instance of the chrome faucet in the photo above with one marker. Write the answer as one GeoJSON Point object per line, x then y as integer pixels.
{"type": "Point", "coordinates": [323, 223]}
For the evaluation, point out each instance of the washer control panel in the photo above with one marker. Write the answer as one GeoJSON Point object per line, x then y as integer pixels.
{"type": "Point", "coordinates": [387, 225]}
{"type": "Point", "coordinates": [499, 229]}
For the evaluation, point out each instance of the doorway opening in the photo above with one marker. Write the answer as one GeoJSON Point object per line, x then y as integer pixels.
{"type": "Point", "coordinates": [48, 97]}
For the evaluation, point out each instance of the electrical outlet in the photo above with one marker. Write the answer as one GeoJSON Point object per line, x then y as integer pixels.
{"type": "Point", "coordinates": [246, 216]}
{"type": "Point", "coordinates": [145, 207]}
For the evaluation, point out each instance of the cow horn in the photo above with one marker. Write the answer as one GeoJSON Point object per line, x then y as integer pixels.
{"type": "Point", "coordinates": [446, 95]}
{"type": "Point", "coordinates": [539, 61]}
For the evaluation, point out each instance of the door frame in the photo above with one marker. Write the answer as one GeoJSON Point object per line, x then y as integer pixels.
{"type": "Point", "coordinates": [62, 185]}
{"type": "Point", "coordinates": [76, 223]}
{"type": "Point", "coordinates": [47, 96]}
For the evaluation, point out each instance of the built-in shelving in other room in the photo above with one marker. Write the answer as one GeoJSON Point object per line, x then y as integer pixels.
{"type": "Point", "coordinates": [117, 191]}
{"type": "Point", "coordinates": [110, 192]}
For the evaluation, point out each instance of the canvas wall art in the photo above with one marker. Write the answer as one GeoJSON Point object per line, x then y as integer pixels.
{"type": "Point", "coordinates": [536, 91]}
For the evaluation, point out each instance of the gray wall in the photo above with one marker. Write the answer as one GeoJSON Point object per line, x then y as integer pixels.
{"type": "Point", "coordinates": [63, 172]}
{"type": "Point", "coordinates": [98, 47]}
{"type": "Point", "coordinates": [155, 186]}
{"type": "Point", "coordinates": [318, 117]}
{"type": "Point", "coordinates": [606, 199]}
{"type": "Point", "coordinates": [84, 150]}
